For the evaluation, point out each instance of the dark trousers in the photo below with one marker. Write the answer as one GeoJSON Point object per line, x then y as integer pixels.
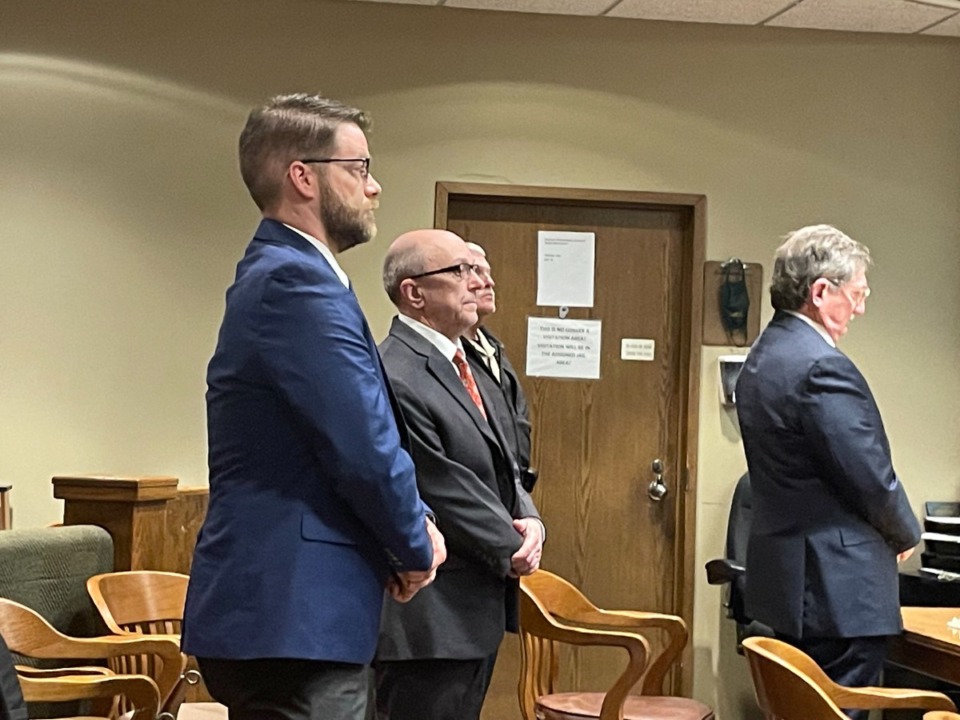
{"type": "Point", "coordinates": [851, 662]}
{"type": "Point", "coordinates": [433, 689]}
{"type": "Point", "coordinates": [286, 689]}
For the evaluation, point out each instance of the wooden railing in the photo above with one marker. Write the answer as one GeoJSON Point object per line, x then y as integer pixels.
{"type": "Point", "coordinates": [153, 521]}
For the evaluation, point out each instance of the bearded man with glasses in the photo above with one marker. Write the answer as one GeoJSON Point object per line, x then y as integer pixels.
{"type": "Point", "coordinates": [830, 519]}
{"type": "Point", "coordinates": [314, 508]}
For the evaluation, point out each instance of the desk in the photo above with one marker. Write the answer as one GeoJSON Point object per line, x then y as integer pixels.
{"type": "Point", "coordinates": [927, 645]}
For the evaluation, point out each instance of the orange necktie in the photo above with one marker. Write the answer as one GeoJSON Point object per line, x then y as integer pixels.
{"type": "Point", "coordinates": [466, 376]}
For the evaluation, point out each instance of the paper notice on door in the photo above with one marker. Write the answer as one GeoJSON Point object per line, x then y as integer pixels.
{"type": "Point", "coordinates": [565, 268]}
{"type": "Point", "coordinates": [637, 349]}
{"type": "Point", "coordinates": [563, 348]}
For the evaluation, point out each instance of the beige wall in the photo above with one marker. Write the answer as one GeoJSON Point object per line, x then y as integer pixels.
{"type": "Point", "coordinates": [123, 214]}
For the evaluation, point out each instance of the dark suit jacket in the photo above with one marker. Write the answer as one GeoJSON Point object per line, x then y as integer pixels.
{"type": "Point", "coordinates": [313, 502]}
{"type": "Point", "coordinates": [509, 402]}
{"type": "Point", "coordinates": [468, 479]}
{"type": "Point", "coordinates": [829, 513]}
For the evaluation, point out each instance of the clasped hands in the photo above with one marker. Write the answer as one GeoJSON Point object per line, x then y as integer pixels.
{"type": "Point", "coordinates": [403, 586]}
{"type": "Point", "coordinates": [526, 560]}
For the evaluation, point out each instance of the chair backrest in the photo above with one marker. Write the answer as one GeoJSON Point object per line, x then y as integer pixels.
{"type": "Point", "coordinates": [789, 685]}
{"type": "Point", "coordinates": [140, 601]}
{"type": "Point", "coordinates": [542, 596]}
{"type": "Point", "coordinates": [552, 611]}
{"type": "Point", "coordinates": [46, 569]}
{"type": "Point", "coordinates": [148, 602]}
{"type": "Point", "coordinates": [738, 536]}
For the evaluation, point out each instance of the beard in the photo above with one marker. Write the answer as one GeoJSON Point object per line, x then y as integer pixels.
{"type": "Point", "coordinates": [345, 226]}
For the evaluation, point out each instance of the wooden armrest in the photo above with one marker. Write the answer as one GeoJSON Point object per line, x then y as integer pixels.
{"type": "Point", "coordinates": [876, 698]}
{"type": "Point", "coordinates": [114, 646]}
{"type": "Point", "coordinates": [140, 689]}
{"type": "Point", "coordinates": [636, 646]}
{"type": "Point", "coordinates": [28, 671]}
{"type": "Point", "coordinates": [636, 620]}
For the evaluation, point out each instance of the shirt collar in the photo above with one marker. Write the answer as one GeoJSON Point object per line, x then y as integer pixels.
{"type": "Point", "coordinates": [441, 342]}
{"type": "Point", "coordinates": [326, 252]}
{"type": "Point", "coordinates": [815, 325]}
{"type": "Point", "coordinates": [483, 344]}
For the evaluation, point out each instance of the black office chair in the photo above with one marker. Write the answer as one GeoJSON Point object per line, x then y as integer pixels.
{"type": "Point", "coordinates": [732, 569]}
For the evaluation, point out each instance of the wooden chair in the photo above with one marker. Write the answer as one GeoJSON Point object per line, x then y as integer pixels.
{"type": "Point", "coordinates": [553, 611]}
{"type": "Point", "coordinates": [145, 602]}
{"type": "Point", "coordinates": [27, 634]}
{"type": "Point", "coordinates": [139, 690]}
{"type": "Point", "coordinates": [790, 686]}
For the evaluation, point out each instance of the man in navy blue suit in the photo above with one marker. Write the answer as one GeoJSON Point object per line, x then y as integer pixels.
{"type": "Point", "coordinates": [314, 507]}
{"type": "Point", "coordinates": [831, 519]}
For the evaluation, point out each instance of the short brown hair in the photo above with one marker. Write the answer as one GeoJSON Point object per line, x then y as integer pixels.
{"type": "Point", "coordinates": [288, 127]}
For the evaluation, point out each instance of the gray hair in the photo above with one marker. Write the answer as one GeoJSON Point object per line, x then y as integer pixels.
{"type": "Point", "coordinates": [398, 265]}
{"type": "Point", "coordinates": [810, 253]}
{"type": "Point", "coordinates": [476, 249]}
{"type": "Point", "coordinates": [288, 128]}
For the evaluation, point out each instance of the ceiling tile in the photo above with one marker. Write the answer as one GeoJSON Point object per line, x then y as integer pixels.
{"type": "Point", "coordinates": [947, 27]}
{"type": "Point", "coordinates": [737, 12]}
{"type": "Point", "coordinates": [892, 16]}
{"type": "Point", "coordinates": [557, 7]}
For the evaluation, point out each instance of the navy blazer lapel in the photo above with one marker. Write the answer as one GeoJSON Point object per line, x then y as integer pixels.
{"type": "Point", "coordinates": [445, 374]}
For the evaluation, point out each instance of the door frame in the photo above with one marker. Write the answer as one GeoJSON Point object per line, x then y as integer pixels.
{"type": "Point", "coordinates": [693, 207]}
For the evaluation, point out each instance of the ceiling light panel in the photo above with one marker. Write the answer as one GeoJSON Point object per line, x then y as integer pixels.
{"type": "Point", "coordinates": [736, 12]}
{"type": "Point", "coordinates": [889, 16]}
{"type": "Point", "coordinates": [556, 7]}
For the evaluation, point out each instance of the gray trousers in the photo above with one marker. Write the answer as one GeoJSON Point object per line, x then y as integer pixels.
{"type": "Point", "coordinates": [287, 689]}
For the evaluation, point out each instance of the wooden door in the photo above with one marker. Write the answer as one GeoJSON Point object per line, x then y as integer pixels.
{"type": "Point", "coordinates": [594, 441]}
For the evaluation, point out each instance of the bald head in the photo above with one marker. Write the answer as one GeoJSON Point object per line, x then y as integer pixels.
{"type": "Point", "coordinates": [445, 300]}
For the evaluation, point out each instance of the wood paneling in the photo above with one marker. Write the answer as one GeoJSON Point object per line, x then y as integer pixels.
{"type": "Point", "coordinates": [153, 522]}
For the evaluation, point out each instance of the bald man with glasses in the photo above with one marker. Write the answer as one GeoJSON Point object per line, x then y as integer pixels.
{"type": "Point", "coordinates": [437, 652]}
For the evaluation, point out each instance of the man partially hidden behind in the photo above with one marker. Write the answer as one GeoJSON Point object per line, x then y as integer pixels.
{"type": "Point", "coordinates": [314, 508]}
{"type": "Point", "coordinates": [437, 652]}
{"type": "Point", "coordinates": [830, 517]}
{"type": "Point", "coordinates": [491, 366]}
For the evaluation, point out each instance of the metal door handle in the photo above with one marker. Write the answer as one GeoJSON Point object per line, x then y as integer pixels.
{"type": "Point", "coordinates": [657, 490]}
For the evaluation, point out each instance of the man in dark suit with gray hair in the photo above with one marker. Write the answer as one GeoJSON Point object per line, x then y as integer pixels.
{"type": "Point", "coordinates": [831, 519]}
{"type": "Point", "coordinates": [436, 653]}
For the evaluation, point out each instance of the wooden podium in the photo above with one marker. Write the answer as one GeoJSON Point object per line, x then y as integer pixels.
{"type": "Point", "coordinates": [153, 521]}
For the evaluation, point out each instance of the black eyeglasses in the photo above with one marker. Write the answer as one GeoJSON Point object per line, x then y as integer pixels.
{"type": "Point", "coordinates": [364, 171]}
{"type": "Point", "coordinates": [461, 270]}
